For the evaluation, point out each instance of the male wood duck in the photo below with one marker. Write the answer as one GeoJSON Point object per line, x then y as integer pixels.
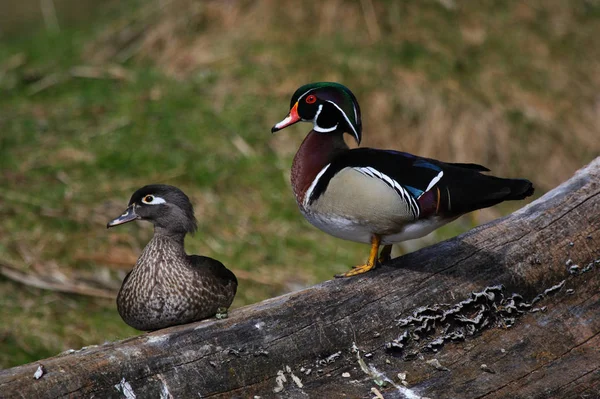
{"type": "Point", "coordinates": [167, 287]}
{"type": "Point", "coordinates": [378, 197]}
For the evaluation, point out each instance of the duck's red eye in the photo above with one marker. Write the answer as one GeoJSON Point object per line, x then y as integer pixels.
{"type": "Point", "coordinates": [311, 99]}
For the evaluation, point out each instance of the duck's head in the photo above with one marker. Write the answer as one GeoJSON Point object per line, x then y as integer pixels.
{"type": "Point", "coordinates": [331, 107]}
{"type": "Point", "coordinates": [167, 207]}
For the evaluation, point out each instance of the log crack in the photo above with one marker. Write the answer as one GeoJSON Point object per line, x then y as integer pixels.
{"type": "Point", "coordinates": [539, 367]}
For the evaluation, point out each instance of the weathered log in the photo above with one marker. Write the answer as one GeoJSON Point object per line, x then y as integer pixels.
{"type": "Point", "coordinates": [509, 309]}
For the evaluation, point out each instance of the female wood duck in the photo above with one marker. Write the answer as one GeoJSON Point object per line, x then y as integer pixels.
{"type": "Point", "coordinates": [376, 196]}
{"type": "Point", "coordinates": [168, 287]}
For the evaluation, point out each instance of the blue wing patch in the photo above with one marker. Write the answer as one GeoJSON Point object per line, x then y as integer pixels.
{"type": "Point", "coordinates": [414, 191]}
{"type": "Point", "coordinates": [421, 163]}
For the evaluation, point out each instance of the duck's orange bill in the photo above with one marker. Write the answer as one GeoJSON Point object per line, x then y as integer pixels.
{"type": "Point", "coordinates": [292, 118]}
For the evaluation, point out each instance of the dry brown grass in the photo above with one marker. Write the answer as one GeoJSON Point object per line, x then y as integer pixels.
{"type": "Point", "coordinates": [522, 59]}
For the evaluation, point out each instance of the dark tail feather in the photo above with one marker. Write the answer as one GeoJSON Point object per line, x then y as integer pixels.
{"type": "Point", "coordinates": [494, 190]}
{"type": "Point", "coordinates": [519, 189]}
{"type": "Point", "coordinates": [472, 166]}
{"type": "Point", "coordinates": [484, 191]}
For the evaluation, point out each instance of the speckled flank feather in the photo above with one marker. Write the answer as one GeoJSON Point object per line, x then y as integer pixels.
{"type": "Point", "coordinates": [165, 288]}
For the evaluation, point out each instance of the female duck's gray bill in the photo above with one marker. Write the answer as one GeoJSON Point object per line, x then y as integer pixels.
{"type": "Point", "coordinates": [127, 216]}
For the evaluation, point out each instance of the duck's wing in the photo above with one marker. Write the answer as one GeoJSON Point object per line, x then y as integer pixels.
{"type": "Point", "coordinates": [213, 270]}
{"type": "Point", "coordinates": [429, 186]}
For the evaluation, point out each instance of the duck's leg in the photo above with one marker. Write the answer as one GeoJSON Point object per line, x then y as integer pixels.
{"type": "Point", "coordinates": [386, 254]}
{"type": "Point", "coordinates": [375, 241]}
{"type": "Point", "coordinates": [221, 313]}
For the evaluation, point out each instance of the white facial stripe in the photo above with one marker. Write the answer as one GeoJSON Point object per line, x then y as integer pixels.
{"type": "Point", "coordinates": [401, 191]}
{"type": "Point", "coordinates": [434, 181]}
{"type": "Point", "coordinates": [319, 109]}
{"type": "Point", "coordinates": [318, 128]}
{"type": "Point", "coordinates": [155, 200]}
{"type": "Point", "coordinates": [305, 93]}
{"type": "Point", "coordinates": [308, 192]}
{"type": "Point", "coordinates": [346, 118]}
{"type": "Point", "coordinates": [326, 130]}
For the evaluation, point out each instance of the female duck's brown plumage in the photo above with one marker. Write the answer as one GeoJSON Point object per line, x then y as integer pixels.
{"type": "Point", "coordinates": [167, 287]}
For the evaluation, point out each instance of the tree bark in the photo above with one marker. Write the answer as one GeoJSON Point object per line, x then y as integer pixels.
{"type": "Point", "coordinates": [509, 309]}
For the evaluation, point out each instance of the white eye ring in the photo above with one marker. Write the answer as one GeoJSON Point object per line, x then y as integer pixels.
{"type": "Point", "coordinates": [152, 200]}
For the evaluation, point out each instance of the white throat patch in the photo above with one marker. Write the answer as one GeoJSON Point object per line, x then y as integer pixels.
{"type": "Point", "coordinates": [318, 128]}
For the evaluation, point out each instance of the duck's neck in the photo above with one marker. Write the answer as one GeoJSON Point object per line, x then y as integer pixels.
{"type": "Point", "coordinates": [175, 238]}
{"type": "Point", "coordinates": [317, 150]}
{"type": "Point", "coordinates": [164, 247]}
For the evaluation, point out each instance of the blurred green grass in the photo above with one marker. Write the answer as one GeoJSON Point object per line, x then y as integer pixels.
{"type": "Point", "coordinates": [185, 94]}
